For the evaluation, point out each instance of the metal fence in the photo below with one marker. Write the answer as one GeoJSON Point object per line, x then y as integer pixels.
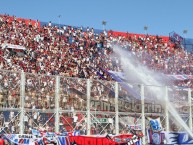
{"type": "Point", "coordinates": [58, 103]}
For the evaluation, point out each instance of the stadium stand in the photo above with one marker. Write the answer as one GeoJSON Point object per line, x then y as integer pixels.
{"type": "Point", "coordinates": [47, 49]}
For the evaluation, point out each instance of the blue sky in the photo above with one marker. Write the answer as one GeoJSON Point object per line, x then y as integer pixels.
{"type": "Point", "coordinates": [161, 16]}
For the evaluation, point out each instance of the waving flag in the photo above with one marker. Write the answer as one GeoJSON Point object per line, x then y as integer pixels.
{"type": "Point", "coordinates": [63, 140]}
{"type": "Point", "coordinates": [36, 132]}
{"type": "Point", "coordinates": [155, 124]}
{"type": "Point", "coordinates": [76, 133]}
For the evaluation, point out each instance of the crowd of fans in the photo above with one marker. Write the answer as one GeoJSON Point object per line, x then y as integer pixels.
{"type": "Point", "coordinates": [74, 54]}
{"type": "Point", "coordinates": [40, 94]}
{"type": "Point", "coordinates": [69, 51]}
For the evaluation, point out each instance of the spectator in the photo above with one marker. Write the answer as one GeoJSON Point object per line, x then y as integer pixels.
{"type": "Point", "coordinates": [71, 52]}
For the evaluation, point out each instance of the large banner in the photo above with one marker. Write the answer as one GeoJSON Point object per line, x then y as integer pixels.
{"type": "Point", "coordinates": [178, 138]}
{"type": "Point", "coordinates": [116, 76]}
{"type": "Point", "coordinates": [27, 21]}
{"type": "Point", "coordinates": [135, 127]}
{"type": "Point", "coordinates": [169, 138]}
{"type": "Point", "coordinates": [180, 77]}
{"type": "Point", "coordinates": [12, 46]}
{"type": "Point", "coordinates": [50, 138]}
{"type": "Point", "coordinates": [126, 34]}
{"type": "Point", "coordinates": [26, 139]}
{"type": "Point", "coordinates": [128, 139]}
{"type": "Point", "coordinates": [16, 139]}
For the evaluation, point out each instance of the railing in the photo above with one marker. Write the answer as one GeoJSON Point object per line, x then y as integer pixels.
{"type": "Point", "coordinates": [58, 103]}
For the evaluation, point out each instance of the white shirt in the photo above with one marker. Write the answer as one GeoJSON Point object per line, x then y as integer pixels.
{"type": "Point", "coordinates": [75, 118]}
{"type": "Point", "coordinates": [26, 118]}
{"type": "Point", "coordinates": [35, 116]}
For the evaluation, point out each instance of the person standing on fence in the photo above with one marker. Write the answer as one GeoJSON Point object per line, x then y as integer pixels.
{"type": "Point", "coordinates": [75, 119]}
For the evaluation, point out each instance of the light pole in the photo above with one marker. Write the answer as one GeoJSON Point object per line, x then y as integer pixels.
{"type": "Point", "coordinates": [59, 16]}
{"type": "Point", "coordinates": [185, 32]}
{"type": "Point", "coordinates": [185, 35]}
{"type": "Point", "coordinates": [145, 29]}
{"type": "Point", "coordinates": [104, 24]}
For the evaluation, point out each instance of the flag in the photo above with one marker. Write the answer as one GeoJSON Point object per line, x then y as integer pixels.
{"type": "Point", "coordinates": [178, 138]}
{"type": "Point", "coordinates": [155, 124]}
{"type": "Point", "coordinates": [155, 137]}
{"type": "Point", "coordinates": [149, 134]}
{"type": "Point", "coordinates": [36, 132]}
{"type": "Point", "coordinates": [63, 140]}
{"type": "Point", "coordinates": [129, 89]}
{"type": "Point", "coordinates": [76, 133]}
{"type": "Point", "coordinates": [139, 142]}
{"type": "Point", "coordinates": [39, 142]}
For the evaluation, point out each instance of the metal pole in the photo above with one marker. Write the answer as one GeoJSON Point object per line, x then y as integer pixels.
{"type": "Point", "coordinates": [88, 106]}
{"type": "Point", "coordinates": [116, 109]}
{"type": "Point", "coordinates": [166, 110]}
{"type": "Point", "coordinates": [57, 98]}
{"type": "Point", "coordinates": [22, 101]}
{"type": "Point", "coordinates": [143, 113]}
{"type": "Point", "coordinates": [59, 21]}
{"type": "Point", "coordinates": [190, 108]}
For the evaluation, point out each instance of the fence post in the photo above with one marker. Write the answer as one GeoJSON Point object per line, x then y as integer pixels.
{"type": "Point", "coordinates": [88, 106]}
{"type": "Point", "coordinates": [190, 108]}
{"type": "Point", "coordinates": [22, 101]}
{"type": "Point", "coordinates": [116, 108]}
{"type": "Point", "coordinates": [143, 113]}
{"type": "Point", "coordinates": [166, 110]}
{"type": "Point", "coordinates": [57, 95]}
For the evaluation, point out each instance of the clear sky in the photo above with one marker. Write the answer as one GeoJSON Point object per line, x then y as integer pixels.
{"type": "Point", "coordinates": [161, 16]}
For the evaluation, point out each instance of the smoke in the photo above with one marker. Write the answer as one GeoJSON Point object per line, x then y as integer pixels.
{"type": "Point", "coordinates": [139, 74]}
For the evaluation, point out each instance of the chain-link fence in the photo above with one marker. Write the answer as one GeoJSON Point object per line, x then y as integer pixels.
{"type": "Point", "coordinates": [95, 107]}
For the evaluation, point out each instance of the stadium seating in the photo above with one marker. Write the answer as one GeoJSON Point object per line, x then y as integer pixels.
{"type": "Point", "coordinates": [45, 49]}
{"type": "Point", "coordinates": [70, 51]}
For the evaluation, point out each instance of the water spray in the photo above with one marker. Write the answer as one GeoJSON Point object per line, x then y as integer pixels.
{"type": "Point", "coordinates": [133, 69]}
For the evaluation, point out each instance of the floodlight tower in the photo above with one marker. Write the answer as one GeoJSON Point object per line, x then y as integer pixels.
{"type": "Point", "coordinates": [185, 31]}
{"type": "Point", "coordinates": [104, 24]}
{"type": "Point", "coordinates": [145, 29]}
{"type": "Point", "coordinates": [59, 16]}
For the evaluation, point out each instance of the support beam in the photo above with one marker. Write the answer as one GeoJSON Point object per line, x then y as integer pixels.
{"type": "Point", "coordinates": [88, 106]}
{"type": "Point", "coordinates": [190, 108]}
{"type": "Point", "coordinates": [57, 99]}
{"type": "Point", "coordinates": [22, 102]}
{"type": "Point", "coordinates": [167, 128]}
{"type": "Point", "coordinates": [116, 108]}
{"type": "Point", "coordinates": [143, 113]}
